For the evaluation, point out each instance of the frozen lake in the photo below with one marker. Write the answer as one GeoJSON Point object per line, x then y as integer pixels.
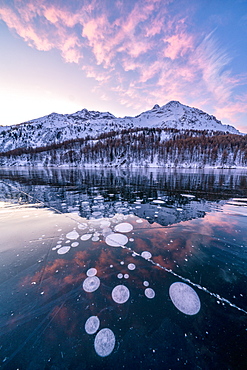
{"type": "Point", "coordinates": [104, 269]}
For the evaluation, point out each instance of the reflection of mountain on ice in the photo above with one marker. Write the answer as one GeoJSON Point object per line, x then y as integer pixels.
{"type": "Point", "coordinates": [155, 196]}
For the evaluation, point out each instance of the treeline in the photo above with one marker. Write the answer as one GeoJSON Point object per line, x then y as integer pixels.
{"type": "Point", "coordinates": [143, 146]}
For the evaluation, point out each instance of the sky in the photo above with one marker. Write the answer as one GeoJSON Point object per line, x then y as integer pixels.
{"type": "Point", "coordinates": [122, 56]}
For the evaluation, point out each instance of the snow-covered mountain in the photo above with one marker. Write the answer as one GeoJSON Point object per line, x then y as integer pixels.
{"type": "Point", "coordinates": [57, 128]}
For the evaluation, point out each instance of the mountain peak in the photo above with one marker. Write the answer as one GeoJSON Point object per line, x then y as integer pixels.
{"type": "Point", "coordinates": [156, 106]}
{"type": "Point", "coordinates": [174, 103]}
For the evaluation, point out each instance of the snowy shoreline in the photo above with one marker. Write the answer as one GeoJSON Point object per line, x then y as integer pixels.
{"type": "Point", "coordinates": [193, 166]}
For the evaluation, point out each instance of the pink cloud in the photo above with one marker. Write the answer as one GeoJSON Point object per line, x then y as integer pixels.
{"type": "Point", "coordinates": [22, 20]}
{"type": "Point", "coordinates": [27, 32]}
{"type": "Point", "coordinates": [232, 110]}
{"type": "Point", "coordinates": [178, 45]}
{"type": "Point", "coordinates": [211, 61]}
{"type": "Point", "coordinates": [56, 15]}
{"type": "Point", "coordinates": [135, 48]}
{"type": "Point", "coordinates": [102, 77]}
{"type": "Point", "coordinates": [152, 70]}
{"type": "Point", "coordinates": [156, 26]}
{"type": "Point", "coordinates": [123, 50]}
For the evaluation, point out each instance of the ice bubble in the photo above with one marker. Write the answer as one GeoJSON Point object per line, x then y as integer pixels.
{"type": "Point", "coordinates": [105, 224]}
{"type": "Point", "coordinates": [126, 276]}
{"type": "Point", "coordinates": [120, 294]}
{"type": "Point", "coordinates": [106, 231]}
{"type": "Point", "coordinates": [147, 255]}
{"type": "Point", "coordinates": [124, 227]}
{"type": "Point", "coordinates": [91, 272]}
{"type": "Point", "coordinates": [97, 214]}
{"type": "Point", "coordinates": [116, 240]}
{"type": "Point", "coordinates": [75, 244]}
{"type": "Point", "coordinates": [149, 293]}
{"type": "Point", "coordinates": [91, 284]}
{"type": "Point", "coordinates": [72, 235]}
{"type": "Point", "coordinates": [184, 298]}
{"type": "Point", "coordinates": [56, 247]}
{"type": "Point", "coordinates": [63, 250]}
{"type": "Point", "coordinates": [131, 239]}
{"type": "Point", "coordinates": [158, 201]}
{"type": "Point", "coordinates": [145, 283]}
{"type": "Point", "coordinates": [92, 324]}
{"type": "Point", "coordinates": [139, 221]}
{"type": "Point", "coordinates": [104, 342]}
{"type": "Point", "coordinates": [86, 237]}
{"type": "Point", "coordinates": [95, 238]}
{"type": "Point", "coordinates": [120, 276]}
{"type": "Point", "coordinates": [131, 266]}
{"type": "Point", "coordinates": [82, 226]}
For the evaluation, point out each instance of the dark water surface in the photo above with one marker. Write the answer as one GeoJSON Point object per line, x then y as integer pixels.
{"type": "Point", "coordinates": [103, 269]}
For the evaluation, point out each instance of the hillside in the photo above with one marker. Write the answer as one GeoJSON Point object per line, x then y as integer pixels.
{"type": "Point", "coordinates": [139, 147]}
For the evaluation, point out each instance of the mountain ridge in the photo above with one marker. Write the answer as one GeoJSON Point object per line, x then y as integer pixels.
{"type": "Point", "coordinates": [56, 128]}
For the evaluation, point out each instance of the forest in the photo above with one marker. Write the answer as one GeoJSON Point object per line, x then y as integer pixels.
{"type": "Point", "coordinates": [140, 146]}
